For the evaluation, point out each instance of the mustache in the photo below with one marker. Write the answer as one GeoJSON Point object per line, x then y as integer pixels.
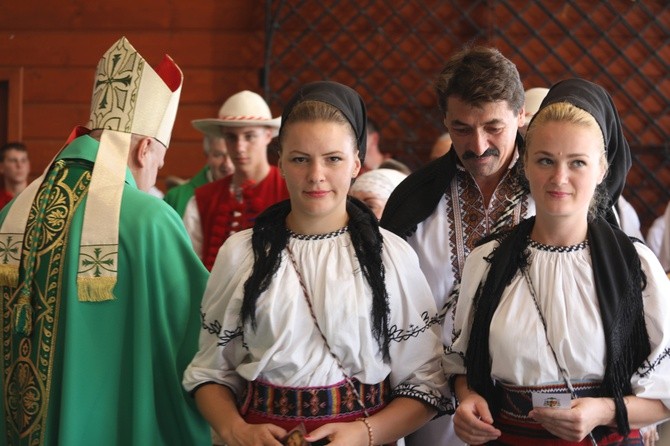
{"type": "Point", "coordinates": [489, 152]}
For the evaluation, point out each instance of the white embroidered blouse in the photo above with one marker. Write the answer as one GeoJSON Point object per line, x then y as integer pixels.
{"type": "Point", "coordinates": [286, 348]}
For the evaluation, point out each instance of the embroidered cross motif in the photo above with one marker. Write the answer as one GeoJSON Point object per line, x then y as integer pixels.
{"type": "Point", "coordinates": [109, 79]}
{"type": "Point", "coordinates": [9, 249]}
{"type": "Point", "coordinates": [97, 262]}
{"type": "Point", "coordinates": [115, 90]}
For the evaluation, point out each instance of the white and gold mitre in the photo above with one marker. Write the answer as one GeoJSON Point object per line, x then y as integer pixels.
{"type": "Point", "coordinates": [131, 97]}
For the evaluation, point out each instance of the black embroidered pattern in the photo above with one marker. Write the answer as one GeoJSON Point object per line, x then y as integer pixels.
{"type": "Point", "coordinates": [318, 236]}
{"type": "Point", "coordinates": [229, 335]}
{"type": "Point", "coordinates": [551, 248]}
{"type": "Point", "coordinates": [414, 391]}
{"type": "Point", "coordinates": [216, 328]}
{"type": "Point", "coordinates": [647, 367]}
{"type": "Point", "coordinates": [448, 349]}
{"type": "Point", "coordinates": [399, 334]}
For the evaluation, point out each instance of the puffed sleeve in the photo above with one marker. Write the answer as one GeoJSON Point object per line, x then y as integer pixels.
{"type": "Point", "coordinates": [652, 379]}
{"type": "Point", "coordinates": [475, 271]}
{"type": "Point", "coordinates": [415, 347]}
{"type": "Point", "coordinates": [221, 346]}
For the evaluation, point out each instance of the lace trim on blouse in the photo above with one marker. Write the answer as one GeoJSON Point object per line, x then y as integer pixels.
{"type": "Point", "coordinates": [550, 248]}
{"type": "Point", "coordinates": [318, 236]}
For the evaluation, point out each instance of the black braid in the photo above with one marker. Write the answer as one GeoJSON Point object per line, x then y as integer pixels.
{"type": "Point", "coordinates": [269, 239]}
{"type": "Point", "coordinates": [367, 240]}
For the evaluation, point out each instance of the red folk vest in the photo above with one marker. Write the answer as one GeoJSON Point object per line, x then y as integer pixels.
{"type": "Point", "coordinates": [222, 215]}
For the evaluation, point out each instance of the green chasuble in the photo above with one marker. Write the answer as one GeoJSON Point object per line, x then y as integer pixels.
{"type": "Point", "coordinates": [178, 196]}
{"type": "Point", "coordinates": [102, 373]}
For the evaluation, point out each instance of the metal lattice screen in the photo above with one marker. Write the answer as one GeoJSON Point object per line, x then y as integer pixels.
{"type": "Point", "coordinates": [390, 52]}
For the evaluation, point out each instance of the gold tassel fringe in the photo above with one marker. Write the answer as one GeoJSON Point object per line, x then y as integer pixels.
{"type": "Point", "coordinates": [9, 275]}
{"type": "Point", "coordinates": [96, 289]}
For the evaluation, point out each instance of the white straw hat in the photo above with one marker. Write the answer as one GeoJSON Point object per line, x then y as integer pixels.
{"type": "Point", "coordinates": [242, 109]}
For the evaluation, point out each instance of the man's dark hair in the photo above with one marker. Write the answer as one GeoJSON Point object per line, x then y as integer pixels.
{"type": "Point", "coordinates": [13, 145]}
{"type": "Point", "coordinates": [479, 75]}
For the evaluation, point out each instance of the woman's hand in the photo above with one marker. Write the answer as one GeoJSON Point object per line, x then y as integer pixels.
{"type": "Point", "coordinates": [244, 434]}
{"type": "Point", "coordinates": [649, 435]}
{"type": "Point", "coordinates": [218, 405]}
{"type": "Point", "coordinates": [342, 434]}
{"type": "Point", "coordinates": [577, 422]}
{"type": "Point", "coordinates": [473, 421]}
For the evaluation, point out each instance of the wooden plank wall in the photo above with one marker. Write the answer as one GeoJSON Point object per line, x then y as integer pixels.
{"type": "Point", "coordinates": [217, 43]}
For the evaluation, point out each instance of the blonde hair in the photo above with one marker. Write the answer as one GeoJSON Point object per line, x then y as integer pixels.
{"type": "Point", "coordinates": [568, 113]}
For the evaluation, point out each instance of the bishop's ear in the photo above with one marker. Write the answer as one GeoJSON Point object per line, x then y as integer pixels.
{"type": "Point", "coordinates": [142, 151]}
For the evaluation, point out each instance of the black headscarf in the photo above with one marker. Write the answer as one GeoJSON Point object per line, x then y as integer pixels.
{"type": "Point", "coordinates": [596, 101]}
{"type": "Point", "coordinates": [343, 98]}
{"type": "Point", "coordinates": [270, 235]}
{"type": "Point", "coordinates": [618, 276]}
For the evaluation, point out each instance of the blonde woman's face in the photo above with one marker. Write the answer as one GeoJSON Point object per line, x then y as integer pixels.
{"type": "Point", "coordinates": [564, 164]}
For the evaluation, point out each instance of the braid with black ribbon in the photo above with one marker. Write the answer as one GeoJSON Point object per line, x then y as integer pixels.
{"type": "Point", "coordinates": [368, 244]}
{"type": "Point", "coordinates": [268, 240]}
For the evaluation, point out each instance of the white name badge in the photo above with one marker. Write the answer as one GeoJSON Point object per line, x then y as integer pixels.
{"type": "Point", "coordinates": [551, 400]}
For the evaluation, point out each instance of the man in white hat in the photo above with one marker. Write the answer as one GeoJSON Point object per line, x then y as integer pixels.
{"type": "Point", "coordinates": [217, 165]}
{"type": "Point", "coordinates": [100, 286]}
{"type": "Point", "coordinates": [221, 208]}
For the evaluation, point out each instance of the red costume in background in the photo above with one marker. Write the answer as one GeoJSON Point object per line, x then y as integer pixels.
{"type": "Point", "coordinates": [224, 212]}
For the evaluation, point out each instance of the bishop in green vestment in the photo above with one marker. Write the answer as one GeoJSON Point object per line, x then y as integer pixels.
{"type": "Point", "coordinates": [100, 285]}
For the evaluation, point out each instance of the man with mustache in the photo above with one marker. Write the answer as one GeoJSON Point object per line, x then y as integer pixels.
{"type": "Point", "coordinates": [446, 207]}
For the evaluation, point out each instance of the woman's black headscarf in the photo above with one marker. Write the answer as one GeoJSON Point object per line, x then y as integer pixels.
{"type": "Point", "coordinates": [618, 277]}
{"type": "Point", "coordinates": [595, 100]}
{"type": "Point", "coordinates": [343, 98]}
{"type": "Point", "coordinates": [270, 234]}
